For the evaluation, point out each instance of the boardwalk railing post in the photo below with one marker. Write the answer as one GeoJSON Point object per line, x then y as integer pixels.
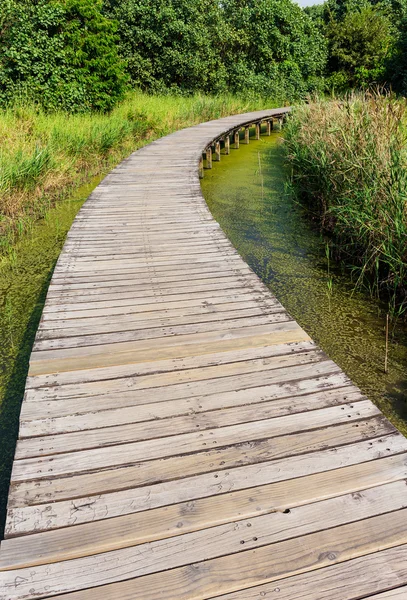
{"type": "Point", "coordinates": [258, 130]}
{"type": "Point", "coordinates": [217, 151]}
{"type": "Point", "coordinates": [227, 144]}
{"type": "Point", "coordinates": [236, 139]}
{"type": "Point", "coordinates": [208, 153]}
{"type": "Point", "coordinates": [247, 135]}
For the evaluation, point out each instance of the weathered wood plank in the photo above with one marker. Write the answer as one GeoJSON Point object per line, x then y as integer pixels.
{"type": "Point", "coordinates": [160, 523]}
{"type": "Point", "coordinates": [168, 441]}
{"type": "Point", "coordinates": [104, 452]}
{"type": "Point", "coordinates": [53, 515]}
{"type": "Point", "coordinates": [213, 576]}
{"type": "Point", "coordinates": [353, 580]}
{"type": "Point", "coordinates": [109, 355]}
{"type": "Point", "coordinates": [149, 472]}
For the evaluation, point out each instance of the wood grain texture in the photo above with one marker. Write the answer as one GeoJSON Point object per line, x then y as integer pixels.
{"type": "Point", "coordinates": [181, 437]}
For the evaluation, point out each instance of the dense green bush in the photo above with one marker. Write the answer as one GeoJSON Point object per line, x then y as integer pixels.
{"type": "Point", "coordinates": [269, 46]}
{"type": "Point", "coordinates": [365, 41]}
{"type": "Point", "coordinates": [60, 53]}
{"type": "Point", "coordinates": [172, 43]}
{"type": "Point", "coordinates": [359, 45]}
{"type": "Point", "coordinates": [274, 46]}
{"type": "Point", "coordinates": [397, 65]}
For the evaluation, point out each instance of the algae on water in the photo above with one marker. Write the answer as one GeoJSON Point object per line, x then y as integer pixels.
{"type": "Point", "coordinates": [274, 237]}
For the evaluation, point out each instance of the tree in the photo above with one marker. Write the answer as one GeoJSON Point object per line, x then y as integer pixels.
{"type": "Point", "coordinates": [359, 45]}
{"type": "Point", "coordinates": [59, 53]}
{"type": "Point", "coordinates": [397, 64]}
{"type": "Point", "coordinates": [172, 43]}
{"type": "Point", "coordinates": [274, 46]}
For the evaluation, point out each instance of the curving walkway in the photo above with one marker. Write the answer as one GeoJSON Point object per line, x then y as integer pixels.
{"type": "Point", "coordinates": [181, 436]}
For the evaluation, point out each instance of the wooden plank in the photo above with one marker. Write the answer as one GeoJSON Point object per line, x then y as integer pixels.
{"type": "Point", "coordinates": [399, 593]}
{"type": "Point", "coordinates": [106, 452]}
{"type": "Point", "coordinates": [168, 349]}
{"type": "Point", "coordinates": [144, 368]}
{"type": "Point", "coordinates": [180, 277]}
{"type": "Point", "coordinates": [37, 491]}
{"type": "Point", "coordinates": [161, 523]}
{"type": "Point", "coordinates": [169, 432]}
{"type": "Point", "coordinates": [151, 331]}
{"type": "Point", "coordinates": [184, 412]}
{"type": "Point", "coordinates": [160, 379]}
{"type": "Point", "coordinates": [276, 383]}
{"type": "Point", "coordinates": [213, 576]}
{"type": "Point", "coordinates": [99, 307]}
{"type": "Point", "coordinates": [353, 580]}
{"type": "Point", "coordinates": [137, 288]}
{"type": "Point", "coordinates": [28, 519]}
{"type": "Point", "coordinates": [155, 319]}
{"type": "Point", "coordinates": [161, 408]}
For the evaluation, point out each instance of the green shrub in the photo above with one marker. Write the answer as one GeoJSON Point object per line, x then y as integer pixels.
{"type": "Point", "coordinates": [59, 53]}
{"type": "Point", "coordinates": [359, 45]}
{"type": "Point", "coordinates": [270, 47]}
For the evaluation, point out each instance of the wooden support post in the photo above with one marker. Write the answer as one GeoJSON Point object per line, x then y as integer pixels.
{"type": "Point", "coordinates": [217, 151]}
{"type": "Point", "coordinates": [209, 157]}
{"type": "Point", "coordinates": [227, 144]}
{"type": "Point", "coordinates": [201, 168]}
{"type": "Point", "coordinates": [246, 135]}
{"type": "Point", "coordinates": [269, 126]}
{"type": "Point", "coordinates": [236, 139]}
{"type": "Point", "coordinates": [280, 122]}
{"type": "Point", "coordinates": [258, 130]}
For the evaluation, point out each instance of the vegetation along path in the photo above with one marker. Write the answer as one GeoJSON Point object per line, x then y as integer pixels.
{"type": "Point", "coordinates": [182, 437]}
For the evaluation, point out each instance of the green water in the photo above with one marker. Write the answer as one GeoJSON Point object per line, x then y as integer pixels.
{"type": "Point", "coordinates": [246, 195]}
{"type": "Point", "coordinates": [24, 279]}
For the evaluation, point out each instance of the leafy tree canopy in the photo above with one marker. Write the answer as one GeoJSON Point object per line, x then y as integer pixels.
{"type": "Point", "coordinates": [172, 43]}
{"type": "Point", "coordinates": [359, 45]}
{"type": "Point", "coordinates": [61, 53]}
{"type": "Point", "coordinates": [208, 45]}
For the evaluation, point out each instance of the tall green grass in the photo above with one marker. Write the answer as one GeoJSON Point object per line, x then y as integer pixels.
{"type": "Point", "coordinates": [349, 165]}
{"type": "Point", "coordinates": [43, 156]}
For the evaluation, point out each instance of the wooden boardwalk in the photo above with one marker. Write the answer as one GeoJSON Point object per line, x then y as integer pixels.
{"type": "Point", "coordinates": [181, 436]}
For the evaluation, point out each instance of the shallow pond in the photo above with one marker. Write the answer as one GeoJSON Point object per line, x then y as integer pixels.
{"type": "Point", "coordinates": [246, 195]}
{"type": "Point", "coordinates": [24, 279]}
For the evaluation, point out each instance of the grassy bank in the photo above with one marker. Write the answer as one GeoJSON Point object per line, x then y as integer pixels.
{"type": "Point", "coordinates": [43, 156]}
{"type": "Point", "coordinates": [349, 166]}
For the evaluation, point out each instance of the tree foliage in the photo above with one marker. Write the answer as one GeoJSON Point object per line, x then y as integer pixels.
{"type": "Point", "coordinates": [172, 43]}
{"type": "Point", "coordinates": [60, 53]}
{"type": "Point", "coordinates": [359, 46]}
{"type": "Point", "coordinates": [274, 44]}
{"type": "Point", "coordinates": [363, 37]}
{"type": "Point", "coordinates": [82, 54]}
{"type": "Point", "coordinates": [207, 45]}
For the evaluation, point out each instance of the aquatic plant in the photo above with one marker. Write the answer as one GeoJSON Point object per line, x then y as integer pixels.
{"type": "Point", "coordinates": [349, 161]}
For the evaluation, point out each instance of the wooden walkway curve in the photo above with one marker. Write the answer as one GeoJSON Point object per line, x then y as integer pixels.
{"type": "Point", "coordinates": [181, 437]}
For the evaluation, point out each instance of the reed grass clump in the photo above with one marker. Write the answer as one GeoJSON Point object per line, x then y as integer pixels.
{"type": "Point", "coordinates": [349, 168]}
{"type": "Point", "coordinates": [44, 155]}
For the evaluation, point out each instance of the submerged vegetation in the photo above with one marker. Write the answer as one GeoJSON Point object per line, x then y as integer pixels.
{"type": "Point", "coordinates": [349, 166]}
